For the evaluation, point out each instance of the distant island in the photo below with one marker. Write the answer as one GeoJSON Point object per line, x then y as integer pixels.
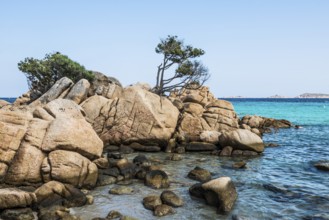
{"type": "Point", "coordinates": [302, 96]}
{"type": "Point", "coordinates": [314, 95]}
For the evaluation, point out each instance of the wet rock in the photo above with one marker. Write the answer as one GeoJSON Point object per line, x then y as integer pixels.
{"type": "Point", "coordinates": [170, 198]}
{"type": "Point", "coordinates": [125, 182]}
{"type": "Point", "coordinates": [322, 165]}
{"type": "Point", "coordinates": [127, 169]}
{"type": "Point", "coordinates": [271, 145]}
{"type": "Point", "coordinates": [239, 165]}
{"type": "Point", "coordinates": [249, 153]}
{"type": "Point", "coordinates": [171, 145]}
{"type": "Point", "coordinates": [17, 214]}
{"type": "Point", "coordinates": [227, 151]}
{"type": "Point", "coordinates": [126, 149]}
{"type": "Point", "coordinates": [104, 180]}
{"type": "Point", "coordinates": [175, 157]}
{"type": "Point", "coordinates": [125, 217]}
{"type": "Point", "coordinates": [55, 213]}
{"type": "Point", "coordinates": [114, 171]}
{"type": "Point", "coordinates": [90, 200]}
{"type": "Point", "coordinates": [237, 153]}
{"type": "Point", "coordinates": [115, 155]}
{"type": "Point", "coordinates": [101, 163]}
{"type": "Point", "coordinates": [111, 148]}
{"type": "Point", "coordinates": [15, 198]}
{"type": "Point", "coordinates": [140, 147]}
{"type": "Point", "coordinates": [121, 190]}
{"type": "Point", "coordinates": [141, 174]}
{"type": "Point", "coordinates": [180, 150]}
{"type": "Point", "coordinates": [221, 193]}
{"type": "Point", "coordinates": [200, 146]}
{"type": "Point", "coordinates": [199, 174]}
{"type": "Point", "coordinates": [141, 161]}
{"type": "Point", "coordinates": [150, 202]}
{"type": "Point", "coordinates": [197, 190]}
{"type": "Point", "coordinates": [113, 215]}
{"type": "Point", "coordinates": [157, 179]}
{"type": "Point", "coordinates": [163, 210]}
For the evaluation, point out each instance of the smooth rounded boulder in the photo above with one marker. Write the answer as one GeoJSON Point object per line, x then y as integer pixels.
{"type": "Point", "coordinates": [242, 139]}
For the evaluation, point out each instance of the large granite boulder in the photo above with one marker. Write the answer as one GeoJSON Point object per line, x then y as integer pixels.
{"type": "Point", "coordinates": [33, 140]}
{"type": "Point", "coordinates": [203, 116]}
{"type": "Point", "coordinates": [219, 192]}
{"type": "Point", "coordinates": [242, 139]}
{"type": "Point", "coordinates": [79, 91]}
{"type": "Point", "coordinates": [136, 116]}
{"type": "Point", "coordinates": [69, 167]}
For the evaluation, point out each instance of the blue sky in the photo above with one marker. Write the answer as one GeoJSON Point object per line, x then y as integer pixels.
{"type": "Point", "coordinates": [253, 48]}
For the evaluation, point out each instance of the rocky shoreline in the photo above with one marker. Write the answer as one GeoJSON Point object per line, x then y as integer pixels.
{"type": "Point", "coordinates": [75, 137]}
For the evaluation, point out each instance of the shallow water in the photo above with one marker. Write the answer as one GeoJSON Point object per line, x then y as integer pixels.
{"type": "Point", "coordinates": [281, 184]}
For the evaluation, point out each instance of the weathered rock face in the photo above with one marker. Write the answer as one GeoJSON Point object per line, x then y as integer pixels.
{"type": "Point", "coordinates": [108, 87]}
{"type": "Point", "coordinates": [241, 139]}
{"type": "Point", "coordinates": [202, 115]}
{"type": "Point", "coordinates": [33, 143]}
{"type": "Point", "coordinates": [136, 116]}
{"type": "Point", "coordinates": [14, 198]}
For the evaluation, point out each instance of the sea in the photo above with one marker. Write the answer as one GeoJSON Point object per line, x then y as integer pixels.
{"type": "Point", "coordinates": [281, 184]}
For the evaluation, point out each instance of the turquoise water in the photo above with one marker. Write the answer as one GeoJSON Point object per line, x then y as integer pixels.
{"type": "Point", "coordinates": [280, 184]}
{"type": "Point", "coordinates": [299, 111]}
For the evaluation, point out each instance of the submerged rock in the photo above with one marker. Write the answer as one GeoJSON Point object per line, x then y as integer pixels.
{"type": "Point", "coordinates": [199, 174]}
{"type": "Point", "coordinates": [239, 165]}
{"type": "Point", "coordinates": [113, 215]}
{"type": "Point", "coordinates": [150, 202]}
{"type": "Point", "coordinates": [157, 179]}
{"type": "Point", "coordinates": [121, 190]}
{"type": "Point", "coordinates": [323, 165]}
{"type": "Point", "coordinates": [163, 210]}
{"type": "Point", "coordinates": [170, 198]}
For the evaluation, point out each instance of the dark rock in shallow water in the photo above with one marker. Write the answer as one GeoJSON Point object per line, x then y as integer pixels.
{"type": "Point", "coordinates": [163, 210]}
{"type": "Point", "coordinates": [140, 147]}
{"type": "Point", "coordinates": [104, 180]}
{"type": "Point", "coordinates": [55, 213]}
{"type": "Point", "coordinates": [17, 214]}
{"type": "Point", "coordinates": [200, 146]}
{"type": "Point", "coordinates": [249, 153]}
{"type": "Point", "coordinates": [141, 161]}
{"type": "Point", "coordinates": [126, 149]}
{"type": "Point", "coordinates": [157, 179]}
{"type": "Point", "coordinates": [121, 190]}
{"type": "Point", "coordinates": [175, 157]}
{"type": "Point", "coordinates": [114, 171]}
{"type": "Point", "coordinates": [227, 151]}
{"type": "Point", "coordinates": [237, 153]}
{"type": "Point", "coordinates": [221, 193]}
{"type": "Point", "coordinates": [271, 145]}
{"type": "Point", "coordinates": [197, 190]}
{"type": "Point", "coordinates": [113, 215]}
{"type": "Point", "coordinates": [170, 198]}
{"type": "Point", "coordinates": [239, 165]}
{"type": "Point", "coordinates": [150, 202]}
{"type": "Point", "coordinates": [199, 174]}
{"type": "Point", "coordinates": [180, 150]}
{"type": "Point", "coordinates": [322, 165]}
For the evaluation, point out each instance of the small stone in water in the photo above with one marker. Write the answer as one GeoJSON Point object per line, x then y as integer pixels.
{"type": "Point", "coordinates": [113, 215]}
{"type": "Point", "coordinates": [239, 165]}
{"type": "Point", "coordinates": [162, 210]}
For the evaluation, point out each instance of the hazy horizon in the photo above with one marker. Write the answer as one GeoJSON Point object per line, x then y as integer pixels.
{"type": "Point", "coordinates": [253, 48]}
